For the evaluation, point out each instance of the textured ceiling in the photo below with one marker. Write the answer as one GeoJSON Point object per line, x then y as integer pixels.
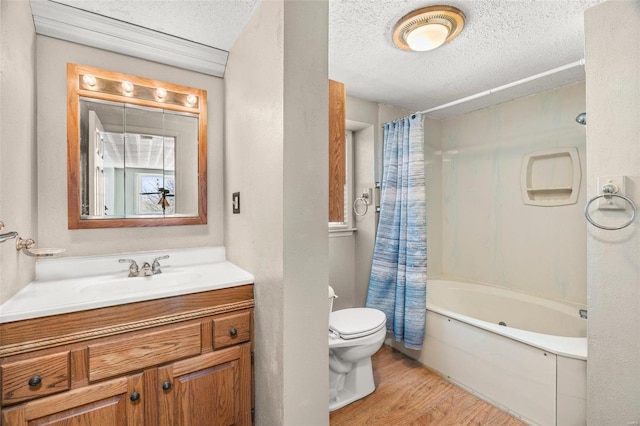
{"type": "Point", "coordinates": [503, 41]}
{"type": "Point", "coordinates": [215, 23]}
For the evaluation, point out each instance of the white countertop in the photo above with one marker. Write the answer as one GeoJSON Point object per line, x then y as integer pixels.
{"type": "Point", "coordinates": [77, 284]}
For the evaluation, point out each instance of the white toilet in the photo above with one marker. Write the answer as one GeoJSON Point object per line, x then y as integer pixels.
{"type": "Point", "coordinates": [354, 336]}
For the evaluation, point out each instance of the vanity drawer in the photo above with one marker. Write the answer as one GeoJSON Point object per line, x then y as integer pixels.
{"type": "Point", "coordinates": [35, 377]}
{"type": "Point", "coordinates": [137, 352]}
{"type": "Point", "coordinates": [231, 329]}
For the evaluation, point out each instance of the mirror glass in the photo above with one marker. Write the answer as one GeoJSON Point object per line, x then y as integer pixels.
{"type": "Point", "coordinates": [139, 160]}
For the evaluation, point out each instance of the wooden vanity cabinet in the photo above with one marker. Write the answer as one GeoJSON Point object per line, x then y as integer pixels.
{"type": "Point", "coordinates": [183, 360]}
{"type": "Point", "coordinates": [106, 403]}
{"type": "Point", "coordinates": [211, 386]}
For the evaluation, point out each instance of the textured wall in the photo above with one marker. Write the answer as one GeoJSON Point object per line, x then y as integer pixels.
{"type": "Point", "coordinates": [254, 167]}
{"type": "Point", "coordinates": [306, 265]}
{"type": "Point", "coordinates": [18, 203]}
{"type": "Point", "coordinates": [275, 155]}
{"type": "Point", "coordinates": [52, 56]}
{"type": "Point", "coordinates": [613, 141]}
{"type": "Point", "coordinates": [489, 234]}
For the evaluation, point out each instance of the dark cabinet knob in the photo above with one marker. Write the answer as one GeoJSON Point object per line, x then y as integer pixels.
{"type": "Point", "coordinates": [233, 332]}
{"type": "Point", "coordinates": [134, 396]}
{"type": "Point", "coordinates": [35, 381]}
{"type": "Point", "coordinates": [166, 385]}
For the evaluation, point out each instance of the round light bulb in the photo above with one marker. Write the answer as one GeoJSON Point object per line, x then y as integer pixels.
{"type": "Point", "coordinates": [192, 99]}
{"type": "Point", "coordinates": [427, 37]}
{"type": "Point", "coordinates": [127, 86]}
{"type": "Point", "coordinates": [161, 92]}
{"type": "Point", "coordinates": [89, 80]}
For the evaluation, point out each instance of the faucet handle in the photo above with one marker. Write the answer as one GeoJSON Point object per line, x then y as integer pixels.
{"type": "Point", "coordinates": [155, 267]}
{"type": "Point", "coordinates": [133, 266]}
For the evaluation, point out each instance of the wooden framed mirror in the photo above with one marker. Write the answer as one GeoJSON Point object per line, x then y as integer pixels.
{"type": "Point", "coordinates": [136, 150]}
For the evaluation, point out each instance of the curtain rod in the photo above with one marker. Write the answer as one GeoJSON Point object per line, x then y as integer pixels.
{"type": "Point", "coordinates": [506, 86]}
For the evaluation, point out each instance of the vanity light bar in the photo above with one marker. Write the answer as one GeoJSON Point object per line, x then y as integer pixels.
{"type": "Point", "coordinates": [127, 88]}
{"type": "Point", "coordinates": [89, 80]}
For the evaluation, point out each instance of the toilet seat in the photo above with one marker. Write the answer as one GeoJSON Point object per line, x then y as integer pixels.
{"type": "Point", "coordinates": [356, 322]}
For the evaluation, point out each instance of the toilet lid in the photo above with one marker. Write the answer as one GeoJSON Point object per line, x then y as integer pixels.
{"type": "Point", "coordinates": [356, 322]}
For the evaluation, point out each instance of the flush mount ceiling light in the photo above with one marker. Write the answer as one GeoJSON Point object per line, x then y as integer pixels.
{"type": "Point", "coordinates": [428, 28]}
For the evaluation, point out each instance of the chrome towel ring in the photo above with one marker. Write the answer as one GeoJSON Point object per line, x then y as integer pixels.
{"type": "Point", "coordinates": [610, 190]}
{"type": "Point", "coordinates": [361, 201]}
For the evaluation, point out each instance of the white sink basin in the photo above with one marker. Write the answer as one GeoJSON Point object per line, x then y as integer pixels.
{"type": "Point", "coordinates": [167, 280]}
{"type": "Point", "coordinates": [57, 290]}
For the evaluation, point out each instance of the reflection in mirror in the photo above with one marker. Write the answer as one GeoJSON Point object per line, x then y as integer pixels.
{"type": "Point", "coordinates": [128, 159]}
{"type": "Point", "coordinates": [140, 161]}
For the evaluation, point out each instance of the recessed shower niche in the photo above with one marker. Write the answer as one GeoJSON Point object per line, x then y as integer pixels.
{"type": "Point", "coordinates": [551, 177]}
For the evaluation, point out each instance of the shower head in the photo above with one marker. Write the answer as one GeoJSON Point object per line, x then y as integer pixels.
{"type": "Point", "coordinates": [582, 118]}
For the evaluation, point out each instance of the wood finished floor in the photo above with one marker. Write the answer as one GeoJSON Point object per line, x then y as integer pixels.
{"type": "Point", "coordinates": [407, 393]}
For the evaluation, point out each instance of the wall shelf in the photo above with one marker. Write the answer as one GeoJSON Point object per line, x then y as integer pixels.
{"type": "Point", "coordinates": [551, 177]}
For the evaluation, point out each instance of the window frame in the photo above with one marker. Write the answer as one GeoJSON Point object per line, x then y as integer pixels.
{"type": "Point", "coordinates": [348, 226]}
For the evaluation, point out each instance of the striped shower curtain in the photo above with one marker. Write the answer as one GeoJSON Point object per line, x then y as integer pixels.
{"type": "Point", "coordinates": [398, 283]}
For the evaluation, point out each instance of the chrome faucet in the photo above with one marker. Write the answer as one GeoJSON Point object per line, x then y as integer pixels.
{"type": "Point", "coordinates": [155, 267]}
{"type": "Point", "coordinates": [133, 267]}
{"type": "Point", "coordinates": [145, 271]}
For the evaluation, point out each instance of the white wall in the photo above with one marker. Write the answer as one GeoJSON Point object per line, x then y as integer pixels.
{"type": "Point", "coordinates": [52, 57]}
{"type": "Point", "coordinates": [342, 274]}
{"type": "Point", "coordinates": [364, 143]}
{"type": "Point", "coordinates": [489, 234]}
{"type": "Point", "coordinates": [613, 278]}
{"type": "Point", "coordinates": [276, 155]}
{"type": "Point", "coordinates": [433, 182]}
{"type": "Point", "coordinates": [18, 203]}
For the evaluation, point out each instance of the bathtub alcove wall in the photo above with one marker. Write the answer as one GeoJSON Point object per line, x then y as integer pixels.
{"type": "Point", "coordinates": [489, 235]}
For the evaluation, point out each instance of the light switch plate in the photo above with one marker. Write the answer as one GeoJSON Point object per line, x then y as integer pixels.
{"type": "Point", "coordinates": [235, 202]}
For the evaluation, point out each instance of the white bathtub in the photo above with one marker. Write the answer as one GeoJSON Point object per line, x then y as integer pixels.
{"type": "Point", "coordinates": [534, 367]}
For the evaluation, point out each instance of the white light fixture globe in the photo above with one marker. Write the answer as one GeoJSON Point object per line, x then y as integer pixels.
{"type": "Point", "coordinates": [161, 92]}
{"type": "Point", "coordinates": [428, 28]}
{"type": "Point", "coordinates": [89, 80]}
{"type": "Point", "coordinates": [127, 86]}
{"type": "Point", "coordinates": [427, 37]}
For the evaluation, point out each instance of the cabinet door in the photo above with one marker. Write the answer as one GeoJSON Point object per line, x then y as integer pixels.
{"type": "Point", "coordinates": [115, 402]}
{"type": "Point", "coordinates": [210, 389]}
